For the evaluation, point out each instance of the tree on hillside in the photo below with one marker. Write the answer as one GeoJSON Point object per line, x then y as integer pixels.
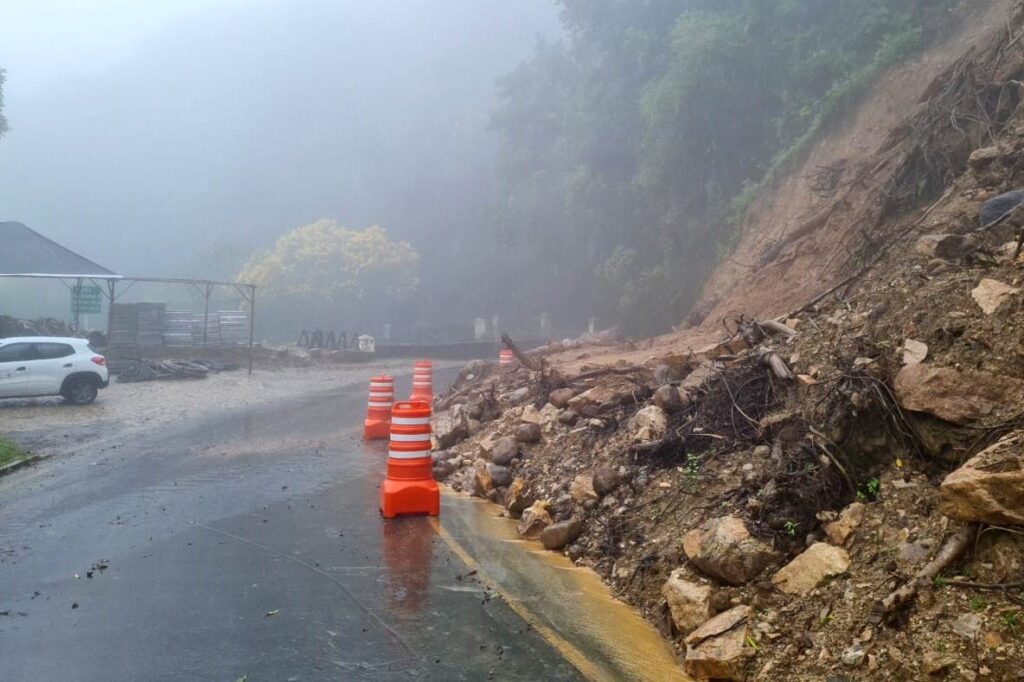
{"type": "Point", "coordinates": [332, 270]}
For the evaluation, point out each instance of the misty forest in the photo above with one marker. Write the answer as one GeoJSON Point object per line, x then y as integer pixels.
{"type": "Point", "coordinates": [424, 164]}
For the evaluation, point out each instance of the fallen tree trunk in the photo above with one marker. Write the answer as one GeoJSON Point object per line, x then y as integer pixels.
{"type": "Point", "coordinates": [954, 548]}
{"type": "Point", "coordinates": [523, 358]}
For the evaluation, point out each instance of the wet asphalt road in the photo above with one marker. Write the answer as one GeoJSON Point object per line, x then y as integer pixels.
{"type": "Point", "coordinates": [245, 545]}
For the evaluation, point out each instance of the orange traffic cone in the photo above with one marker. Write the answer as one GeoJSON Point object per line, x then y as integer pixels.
{"type": "Point", "coordinates": [410, 487]}
{"type": "Point", "coordinates": [422, 381]}
{"type": "Point", "coordinates": [505, 357]}
{"type": "Point", "coordinates": [378, 409]}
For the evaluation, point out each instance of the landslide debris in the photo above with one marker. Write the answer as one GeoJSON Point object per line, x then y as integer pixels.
{"type": "Point", "coordinates": [836, 493]}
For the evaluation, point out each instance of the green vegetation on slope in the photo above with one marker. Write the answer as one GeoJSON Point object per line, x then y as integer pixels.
{"type": "Point", "coordinates": [631, 153]}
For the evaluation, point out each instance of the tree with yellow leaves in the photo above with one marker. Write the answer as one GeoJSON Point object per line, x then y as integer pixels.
{"type": "Point", "coordinates": [344, 268]}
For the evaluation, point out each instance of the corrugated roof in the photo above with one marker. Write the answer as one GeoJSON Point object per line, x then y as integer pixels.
{"type": "Point", "coordinates": [23, 251]}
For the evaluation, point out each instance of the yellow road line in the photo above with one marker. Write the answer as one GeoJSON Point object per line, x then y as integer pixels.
{"type": "Point", "coordinates": [568, 651]}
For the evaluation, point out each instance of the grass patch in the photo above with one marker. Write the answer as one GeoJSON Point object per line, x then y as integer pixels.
{"type": "Point", "coordinates": [10, 452]}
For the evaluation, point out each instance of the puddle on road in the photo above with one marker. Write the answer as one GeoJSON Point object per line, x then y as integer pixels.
{"type": "Point", "coordinates": [572, 602]}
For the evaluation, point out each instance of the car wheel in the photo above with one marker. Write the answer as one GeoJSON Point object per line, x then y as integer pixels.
{"type": "Point", "coordinates": [80, 392]}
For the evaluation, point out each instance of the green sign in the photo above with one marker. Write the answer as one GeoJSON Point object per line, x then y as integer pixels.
{"type": "Point", "coordinates": [86, 300]}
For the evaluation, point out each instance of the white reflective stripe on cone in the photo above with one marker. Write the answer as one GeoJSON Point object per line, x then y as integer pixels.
{"type": "Point", "coordinates": [425, 382]}
{"type": "Point", "coordinates": [410, 421]}
{"type": "Point", "coordinates": [382, 406]}
{"type": "Point", "coordinates": [380, 384]}
{"type": "Point", "coordinates": [410, 437]}
{"type": "Point", "coordinates": [394, 454]}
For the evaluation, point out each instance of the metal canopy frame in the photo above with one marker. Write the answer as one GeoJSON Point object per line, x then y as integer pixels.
{"type": "Point", "coordinates": [204, 286]}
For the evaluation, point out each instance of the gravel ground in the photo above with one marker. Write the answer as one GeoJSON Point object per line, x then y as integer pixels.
{"type": "Point", "coordinates": [49, 425]}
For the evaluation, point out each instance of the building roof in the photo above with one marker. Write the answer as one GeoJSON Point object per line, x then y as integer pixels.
{"type": "Point", "coordinates": [24, 252]}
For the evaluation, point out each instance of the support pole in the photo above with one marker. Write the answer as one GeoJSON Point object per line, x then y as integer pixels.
{"type": "Point", "coordinates": [76, 299]}
{"type": "Point", "coordinates": [206, 314]}
{"type": "Point", "coordinates": [252, 322]}
{"type": "Point", "coordinates": [111, 287]}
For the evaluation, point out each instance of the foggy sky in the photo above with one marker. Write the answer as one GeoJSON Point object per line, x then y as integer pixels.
{"type": "Point", "coordinates": [151, 139]}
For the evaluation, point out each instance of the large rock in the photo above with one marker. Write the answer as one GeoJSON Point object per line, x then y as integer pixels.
{"type": "Point", "coordinates": [582, 489]}
{"type": "Point", "coordinates": [482, 483]}
{"type": "Point", "coordinates": [995, 207]}
{"type": "Point", "coordinates": [991, 294]}
{"type": "Point", "coordinates": [517, 500]}
{"type": "Point", "coordinates": [528, 433]}
{"type": "Point", "coordinates": [958, 397]}
{"type": "Point", "coordinates": [534, 520]}
{"type": "Point", "coordinates": [718, 650]}
{"type": "Point", "coordinates": [456, 428]}
{"type": "Point", "coordinates": [560, 397]}
{"type": "Point", "coordinates": [605, 480]}
{"type": "Point", "coordinates": [558, 535]}
{"type": "Point", "coordinates": [689, 603]}
{"type": "Point", "coordinates": [505, 449]}
{"type": "Point", "coordinates": [723, 548]}
{"type": "Point", "coordinates": [948, 246]}
{"type": "Point", "coordinates": [808, 570]}
{"type": "Point", "coordinates": [648, 424]}
{"type": "Point", "coordinates": [667, 398]}
{"type": "Point", "coordinates": [501, 477]}
{"type": "Point", "coordinates": [609, 393]}
{"type": "Point", "coordinates": [989, 487]}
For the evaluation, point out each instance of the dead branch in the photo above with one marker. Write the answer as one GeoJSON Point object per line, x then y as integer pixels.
{"type": "Point", "coordinates": [954, 548]}
{"type": "Point", "coordinates": [607, 370]}
{"type": "Point", "coordinates": [523, 358]}
{"type": "Point", "coordinates": [778, 366]}
{"type": "Point", "coordinates": [774, 327]}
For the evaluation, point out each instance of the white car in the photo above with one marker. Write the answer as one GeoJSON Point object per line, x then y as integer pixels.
{"type": "Point", "coordinates": [48, 365]}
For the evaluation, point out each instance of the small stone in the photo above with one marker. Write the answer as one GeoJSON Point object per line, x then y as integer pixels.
{"type": "Point", "coordinates": [516, 499]}
{"type": "Point", "coordinates": [762, 451]}
{"type": "Point", "coordinates": [934, 662]}
{"type": "Point", "coordinates": [528, 433]}
{"type": "Point", "coordinates": [718, 649]}
{"type": "Point", "coordinates": [582, 489]}
{"type": "Point", "coordinates": [606, 480]}
{"type": "Point", "coordinates": [839, 531]}
{"type": "Point", "coordinates": [967, 626]}
{"type": "Point", "coordinates": [914, 352]}
{"type": "Point", "coordinates": [853, 656]}
{"type": "Point", "coordinates": [558, 535]}
{"type": "Point", "coordinates": [990, 294]}
{"type": "Point", "coordinates": [649, 424]}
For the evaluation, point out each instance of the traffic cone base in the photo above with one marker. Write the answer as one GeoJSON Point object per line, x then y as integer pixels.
{"type": "Point", "coordinates": [376, 429]}
{"type": "Point", "coordinates": [403, 498]}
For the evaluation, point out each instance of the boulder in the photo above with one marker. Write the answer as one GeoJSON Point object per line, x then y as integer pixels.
{"type": "Point", "coordinates": [989, 487]}
{"type": "Point", "coordinates": [723, 548]}
{"type": "Point", "coordinates": [958, 397]}
{"type": "Point", "coordinates": [689, 603]}
{"type": "Point", "coordinates": [995, 207]}
{"type": "Point", "coordinates": [560, 397]}
{"type": "Point", "coordinates": [455, 429]}
{"type": "Point", "coordinates": [667, 398]}
{"type": "Point", "coordinates": [649, 424]}
{"type": "Point", "coordinates": [501, 477]}
{"type": "Point", "coordinates": [528, 433]}
{"type": "Point", "coordinates": [605, 480]}
{"type": "Point", "coordinates": [990, 294]}
{"type": "Point", "coordinates": [611, 393]}
{"type": "Point", "coordinates": [534, 520]}
{"type": "Point", "coordinates": [505, 449]}
{"type": "Point", "coordinates": [516, 498]}
{"type": "Point", "coordinates": [948, 246]}
{"type": "Point", "coordinates": [582, 489]}
{"type": "Point", "coordinates": [839, 530]}
{"type": "Point", "coordinates": [984, 156]}
{"type": "Point", "coordinates": [558, 535]}
{"type": "Point", "coordinates": [482, 483]}
{"type": "Point", "coordinates": [808, 570]}
{"type": "Point", "coordinates": [718, 649]}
